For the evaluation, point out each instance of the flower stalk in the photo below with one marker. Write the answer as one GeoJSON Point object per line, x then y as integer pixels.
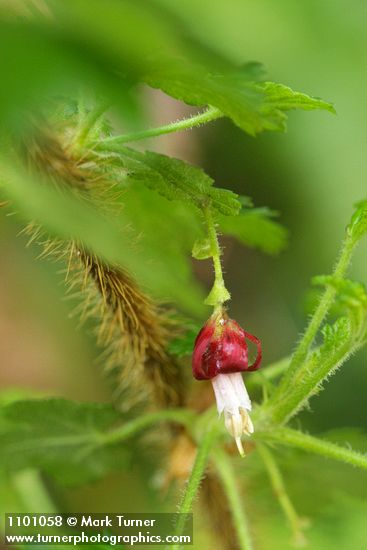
{"type": "Point", "coordinates": [231, 487]}
{"type": "Point", "coordinates": [219, 294]}
{"type": "Point", "coordinates": [195, 478]}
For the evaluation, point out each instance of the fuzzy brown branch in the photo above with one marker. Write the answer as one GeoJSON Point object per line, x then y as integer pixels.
{"type": "Point", "coordinates": [131, 328]}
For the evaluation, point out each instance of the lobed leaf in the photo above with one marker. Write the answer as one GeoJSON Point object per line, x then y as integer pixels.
{"type": "Point", "coordinates": [175, 179]}
{"type": "Point", "coordinates": [116, 44]}
{"type": "Point", "coordinates": [358, 224]}
{"type": "Point", "coordinates": [60, 437]}
{"type": "Point", "coordinates": [279, 99]}
{"type": "Point", "coordinates": [256, 229]}
{"type": "Point", "coordinates": [253, 106]}
{"type": "Point", "coordinates": [352, 294]}
{"type": "Point", "coordinates": [350, 299]}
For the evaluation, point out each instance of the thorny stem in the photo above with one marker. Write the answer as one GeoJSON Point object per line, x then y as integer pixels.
{"type": "Point", "coordinates": [307, 380]}
{"type": "Point", "coordinates": [195, 478]}
{"type": "Point", "coordinates": [277, 482]}
{"type": "Point", "coordinates": [202, 118]}
{"type": "Point", "coordinates": [235, 500]}
{"type": "Point", "coordinates": [294, 438]}
{"type": "Point", "coordinates": [219, 294]}
{"type": "Point", "coordinates": [326, 300]}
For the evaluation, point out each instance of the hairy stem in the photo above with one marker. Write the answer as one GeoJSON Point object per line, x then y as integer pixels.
{"type": "Point", "coordinates": [180, 416]}
{"type": "Point", "coordinates": [318, 317]}
{"type": "Point", "coordinates": [308, 443]}
{"type": "Point", "coordinates": [197, 120]}
{"type": "Point", "coordinates": [219, 294]}
{"type": "Point", "coordinates": [195, 478]}
{"type": "Point", "coordinates": [307, 382]}
{"type": "Point", "coordinates": [235, 500]}
{"type": "Point", "coordinates": [277, 483]}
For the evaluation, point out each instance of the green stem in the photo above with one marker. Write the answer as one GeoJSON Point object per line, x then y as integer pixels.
{"type": "Point", "coordinates": [202, 118]}
{"type": "Point", "coordinates": [307, 382]}
{"type": "Point", "coordinates": [311, 444]}
{"type": "Point", "coordinates": [219, 294]}
{"type": "Point", "coordinates": [33, 495]}
{"type": "Point", "coordinates": [179, 416]}
{"type": "Point", "coordinates": [277, 483]}
{"type": "Point", "coordinates": [319, 315]}
{"type": "Point", "coordinates": [195, 478]}
{"type": "Point", "coordinates": [230, 485]}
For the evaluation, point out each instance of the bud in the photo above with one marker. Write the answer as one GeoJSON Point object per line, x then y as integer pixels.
{"type": "Point", "coordinates": [220, 355]}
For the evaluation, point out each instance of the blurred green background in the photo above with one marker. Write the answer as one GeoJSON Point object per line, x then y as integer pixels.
{"type": "Point", "coordinates": [312, 175]}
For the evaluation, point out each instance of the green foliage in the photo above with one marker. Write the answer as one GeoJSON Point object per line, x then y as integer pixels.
{"type": "Point", "coordinates": [184, 345]}
{"type": "Point", "coordinates": [358, 224]}
{"type": "Point", "coordinates": [147, 218]}
{"type": "Point", "coordinates": [256, 228]}
{"type": "Point", "coordinates": [177, 180]}
{"type": "Point", "coordinates": [118, 44]}
{"type": "Point", "coordinates": [279, 99]}
{"type": "Point", "coordinates": [254, 107]}
{"type": "Point", "coordinates": [337, 345]}
{"type": "Point", "coordinates": [65, 216]}
{"type": "Point", "coordinates": [351, 298]}
{"type": "Point", "coordinates": [112, 47]}
{"type": "Point", "coordinates": [61, 438]}
{"type": "Point", "coordinates": [202, 249]}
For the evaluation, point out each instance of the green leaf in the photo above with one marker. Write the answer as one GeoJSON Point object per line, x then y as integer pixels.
{"type": "Point", "coordinates": [67, 217]}
{"type": "Point", "coordinates": [234, 95]}
{"type": "Point", "coordinates": [61, 438]}
{"type": "Point", "coordinates": [151, 221]}
{"type": "Point", "coordinates": [280, 98]}
{"type": "Point", "coordinates": [335, 336]}
{"type": "Point", "coordinates": [256, 229]}
{"type": "Point", "coordinates": [202, 249]}
{"type": "Point", "coordinates": [175, 179]}
{"type": "Point", "coordinates": [358, 224]}
{"type": "Point", "coordinates": [184, 345]}
{"type": "Point", "coordinates": [253, 106]}
{"type": "Point", "coordinates": [352, 294]}
{"type": "Point", "coordinates": [350, 299]}
{"type": "Point", "coordinates": [112, 45]}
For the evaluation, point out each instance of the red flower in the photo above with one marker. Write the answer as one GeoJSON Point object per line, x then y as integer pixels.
{"type": "Point", "coordinates": [221, 348]}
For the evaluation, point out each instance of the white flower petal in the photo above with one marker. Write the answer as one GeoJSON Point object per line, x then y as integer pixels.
{"type": "Point", "coordinates": [233, 400]}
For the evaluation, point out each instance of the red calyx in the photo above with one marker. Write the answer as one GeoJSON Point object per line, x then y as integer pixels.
{"type": "Point", "coordinates": [221, 348]}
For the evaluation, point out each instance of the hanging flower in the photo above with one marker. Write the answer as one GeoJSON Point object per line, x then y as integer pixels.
{"type": "Point", "coordinates": [221, 355]}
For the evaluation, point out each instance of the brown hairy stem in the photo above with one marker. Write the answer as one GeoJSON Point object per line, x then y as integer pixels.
{"type": "Point", "coordinates": [131, 328]}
